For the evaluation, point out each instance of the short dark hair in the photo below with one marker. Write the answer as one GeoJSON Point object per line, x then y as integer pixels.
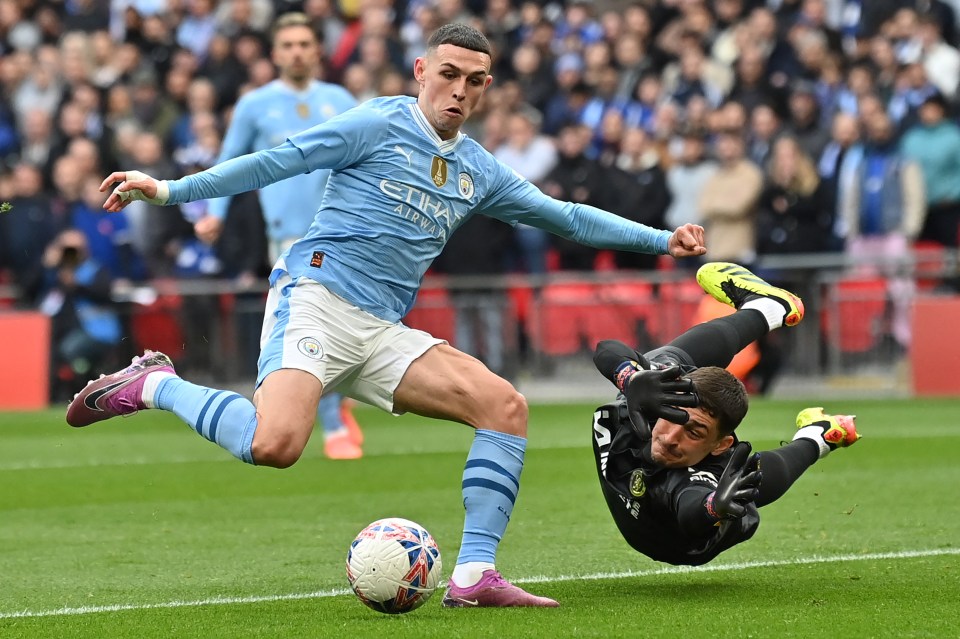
{"type": "Point", "coordinates": [721, 395]}
{"type": "Point", "coordinates": [460, 35]}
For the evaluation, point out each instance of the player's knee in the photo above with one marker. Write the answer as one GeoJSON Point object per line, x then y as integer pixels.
{"type": "Point", "coordinates": [513, 413]}
{"type": "Point", "coordinates": [276, 451]}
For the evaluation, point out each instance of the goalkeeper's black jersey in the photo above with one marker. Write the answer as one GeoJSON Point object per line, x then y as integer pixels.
{"type": "Point", "coordinates": [643, 497]}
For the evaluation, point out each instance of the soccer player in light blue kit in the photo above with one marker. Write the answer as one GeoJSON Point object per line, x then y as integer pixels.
{"type": "Point", "coordinates": [263, 119]}
{"type": "Point", "coordinates": [403, 179]}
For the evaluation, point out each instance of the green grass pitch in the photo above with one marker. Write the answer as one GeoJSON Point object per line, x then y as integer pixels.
{"type": "Point", "coordinates": [138, 528]}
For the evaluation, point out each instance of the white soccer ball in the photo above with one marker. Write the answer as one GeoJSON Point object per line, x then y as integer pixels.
{"type": "Point", "coordinates": [394, 565]}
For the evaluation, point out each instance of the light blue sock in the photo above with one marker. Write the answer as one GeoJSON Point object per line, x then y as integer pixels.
{"type": "Point", "coordinates": [491, 480]}
{"type": "Point", "coordinates": [329, 413]}
{"type": "Point", "coordinates": [225, 418]}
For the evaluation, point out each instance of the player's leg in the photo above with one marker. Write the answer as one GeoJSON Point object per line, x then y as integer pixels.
{"type": "Point", "coordinates": [223, 417]}
{"type": "Point", "coordinates": [760, 308]}
{"type": "Point", "coordinates": [414, 372]}
{"type": "Point", "coordinates": [818, 433]}
{"type": "Point", "coordinates": [337, 440]}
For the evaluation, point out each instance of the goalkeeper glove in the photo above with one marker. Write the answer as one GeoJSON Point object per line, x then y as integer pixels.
{"type": "Point", "coordinates": [828, 432]}
{"type": "Point", "coordinates": [739, 485]}
{"type": "Point", "coordinates": [659, 393]}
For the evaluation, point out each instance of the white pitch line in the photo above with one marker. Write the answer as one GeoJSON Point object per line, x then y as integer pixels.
{"type": "Point", "coordinates": [322, 594]}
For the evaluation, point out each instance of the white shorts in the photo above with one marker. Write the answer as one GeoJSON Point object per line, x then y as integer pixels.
{"type": "Point", "coordinates": [308, 328]}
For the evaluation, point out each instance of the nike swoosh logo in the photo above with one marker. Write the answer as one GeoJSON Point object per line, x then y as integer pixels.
{"type": "Point", "coordinates": [90, 401]}
{"type": "Point", "coordinates": [475, 602]}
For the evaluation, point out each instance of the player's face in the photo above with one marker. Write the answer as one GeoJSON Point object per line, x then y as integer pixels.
{"type": "Point", "coordinates": [452, 80]}
{"type": "Point", "coordinates": [296, 53]}
{"type": "Point", "coordinates": [676, 446]}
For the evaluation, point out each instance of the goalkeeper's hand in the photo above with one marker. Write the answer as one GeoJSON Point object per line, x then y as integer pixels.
{"type": "Point", "coordinates": [134, 185]}
{"type": "Point", "coordinates": [659, 393]}
{"type": "Point", "coordinates": [739, 485]}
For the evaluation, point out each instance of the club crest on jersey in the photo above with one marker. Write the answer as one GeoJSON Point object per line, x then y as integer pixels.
{"type": "Point", "coordinates": [466, 185]}
{"type": "Point", "coordinates": [310, 346]}
{"type": "Point", "coordinates": [438, 171]}
{"type": "Point", "coordinates": [637, 487]}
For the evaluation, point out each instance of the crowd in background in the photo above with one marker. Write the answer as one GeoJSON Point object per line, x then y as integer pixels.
{"type": "Point", "coordinates": [782, 126]}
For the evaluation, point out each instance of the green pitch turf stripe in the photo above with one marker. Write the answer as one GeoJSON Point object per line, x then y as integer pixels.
{"type": "Point", "coordinates": [668, 570]}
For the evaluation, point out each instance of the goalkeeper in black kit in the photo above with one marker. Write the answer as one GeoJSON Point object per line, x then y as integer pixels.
{"type": "Point", "coordinates": [680, 486]}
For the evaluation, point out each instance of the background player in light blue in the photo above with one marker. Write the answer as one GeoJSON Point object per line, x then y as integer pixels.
{"type": "Point", "coordinates": [403, 179]}
{"type": "Point", "coordinates": [264, 118]}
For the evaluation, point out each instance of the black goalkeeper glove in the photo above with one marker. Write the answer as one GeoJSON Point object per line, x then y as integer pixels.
{"type": "Point", "coordinates": [739, 485]}
{"type": "Point", "coordinates": [659, 393]}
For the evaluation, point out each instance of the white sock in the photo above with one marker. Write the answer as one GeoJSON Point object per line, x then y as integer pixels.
{"type": "Point", "coordinates": [150, 384]}
{"type": "Point", "coordinates": [772, 310]}
{"type": "Point", "coordinates": [468, 574]}
{"type": "Point", "coordinates": [340, 432]}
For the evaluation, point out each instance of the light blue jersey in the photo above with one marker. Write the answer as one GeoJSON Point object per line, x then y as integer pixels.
{"type": "Point", "coordinates": [396, 193]}
{"type": "Point", "coordinates": [265, 118]}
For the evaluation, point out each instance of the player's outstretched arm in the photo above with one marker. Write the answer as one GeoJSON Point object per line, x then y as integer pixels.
{"type": "Point", "coordinates": [687, 241]}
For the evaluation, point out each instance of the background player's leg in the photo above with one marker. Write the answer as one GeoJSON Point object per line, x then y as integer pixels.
{"type": "Point", "coordinates": [337, 441]}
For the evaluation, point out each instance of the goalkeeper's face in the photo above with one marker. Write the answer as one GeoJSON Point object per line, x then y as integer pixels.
{"type": "Point", "coordinates": [679, 446]}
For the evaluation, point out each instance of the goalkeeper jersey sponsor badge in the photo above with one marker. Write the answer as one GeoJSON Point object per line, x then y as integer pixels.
{"type": "Point", "coordinates": [637, 487]}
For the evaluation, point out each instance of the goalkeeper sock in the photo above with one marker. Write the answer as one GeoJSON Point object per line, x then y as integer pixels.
{"type": "Point", "coordinates": [225, 418]}
{"type": "Point", "coordinates": [491, 479]}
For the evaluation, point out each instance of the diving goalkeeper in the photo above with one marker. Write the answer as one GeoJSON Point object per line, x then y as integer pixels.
{"type": "Point", "coordinates": [680, 486]}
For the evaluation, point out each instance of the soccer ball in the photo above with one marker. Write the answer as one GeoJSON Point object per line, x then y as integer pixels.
{"type": "Point", "coordinates": [394, 565]}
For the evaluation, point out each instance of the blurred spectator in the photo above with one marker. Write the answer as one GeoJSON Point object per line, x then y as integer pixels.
{"type": "Point", "coordinates": [85, 325]}
{"type": "Point", "coordinates": [567, 103]}
{"type": "Point", "coordinates": [639, 112]}
{"type": "Point", "coordinates": [223, 70]}
{"type": "Point", "coordinates": [804, 121]}
{"type": "Point", "coordinates": [764, 129]}
{"type": "Point", "coordinates": [152, 110]}
{"type": "Point", "coordinates": [26, 229]}
{"type": "Point", "coordinates": [86, 15]}
{"type": "Point", "coordinates": [695, 74]}
{"type": "Point", "coordinates": [108, 236]}
{"type": "Point", "coordinates": [940, 60]}
{"type": "Point", "coordinates": [577, 25]}
{"type": "Point", "coordinates": [532, 155]}
{"type": "Point", "coordinates": [577, 178]}
{"type": "Point", "coordinates": [533, 75]}
{"type": "Point", "coordinates": [883, 210]}
{"type": "Point", "coordinates": [197, 27]}
{"type": "Point", "coordinates": [841, 155]}
{"type": "Point", "coordinates": [728, 201]}
{"type": "Point", "coordinates": [37, 140]}
{"type": "Point", "coordinates": [201, 98]}
{"type": "Point", "coordinates": [686, 178]}
{"type": "Point", "coordinates": [751, 86]}
{"type": "Point", "coordinates": [633, 63]}
{"type": "Point", "coordinates": [235, 16]}
{"type": "Point", "coordinates": [793, 212]}
{"type": "Point", "coordinates": [910, 90]}
{"type": "Point", "coordinates": [934, 143]}
{"type": "Point", "coordinates": [644, 197]}
{"type": "Point", "coordinates": [42, 90]}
